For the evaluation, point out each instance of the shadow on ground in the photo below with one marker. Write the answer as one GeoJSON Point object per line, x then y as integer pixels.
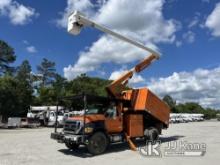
{"type": "Point", "coordinates": [83, 153]}
{"type": "Point", "coordinates": [170, 138]}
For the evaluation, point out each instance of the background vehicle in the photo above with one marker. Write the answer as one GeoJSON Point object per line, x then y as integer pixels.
{"type": "Point", "coordinates": [14, 122]}
{"type": "Point", "coordinates": [185, 117]}
{"type": "Point", "coordinates": [124, 115]}
{"type": "Point", "coordinates": [45, 116]}
{"type": "Point", "coordinates": [218, 116]}
{"type": "Point", "coordinates": [33, 118]}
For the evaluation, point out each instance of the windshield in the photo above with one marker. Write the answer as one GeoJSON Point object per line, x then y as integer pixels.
{"type": "Point", "coordinates": [92, 109]}
{"type": "Point", "coordinates": [95, 110]}
{"type": "Point", "coordinates": [77, 107]}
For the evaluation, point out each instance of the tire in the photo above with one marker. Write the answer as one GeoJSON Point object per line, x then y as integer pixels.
{"type": "Point", "coordinates": [98, 143]}
{"type": "Point", "coordinates": [71, 146]}
{"type": "Point", "coordinates": [151, 134]}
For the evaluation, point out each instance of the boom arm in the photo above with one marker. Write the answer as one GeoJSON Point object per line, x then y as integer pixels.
{"type": "Point", "coordinates": [77, 21]}
{"type": "Point", "coordinates": [117, 86]}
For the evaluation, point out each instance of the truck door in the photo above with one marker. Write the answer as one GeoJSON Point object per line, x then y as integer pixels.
{"type": "Point", "coordinates": [113, 120]}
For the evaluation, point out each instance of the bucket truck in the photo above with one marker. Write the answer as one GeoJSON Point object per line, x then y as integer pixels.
{"type": "Point", "coordinates": [125, 114]}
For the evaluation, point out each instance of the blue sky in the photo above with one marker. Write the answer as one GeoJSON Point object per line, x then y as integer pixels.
{"type": "Point", "coordinates": [187, 33]}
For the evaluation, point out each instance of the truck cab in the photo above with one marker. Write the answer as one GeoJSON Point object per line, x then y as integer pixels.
{"type": "Point", "coordinates": [102, 121]}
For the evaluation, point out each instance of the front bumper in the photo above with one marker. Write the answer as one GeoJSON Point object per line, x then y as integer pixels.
{"type": "Point", "coordinates": [63, 138]}
{"type": "Point", "coordinates": [57, 136]}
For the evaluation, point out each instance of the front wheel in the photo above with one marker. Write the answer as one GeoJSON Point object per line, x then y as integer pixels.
{"type": "Point", "coordinates": [71, 145]}
{"type": "Point", "coordinates": [98, 143]}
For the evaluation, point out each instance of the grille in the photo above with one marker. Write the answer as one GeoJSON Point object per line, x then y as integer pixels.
{"type": "Point", "coordinates": [72, 126]}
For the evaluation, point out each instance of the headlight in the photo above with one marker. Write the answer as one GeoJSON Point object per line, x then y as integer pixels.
{"type": "Point", "coordinates": [88, 129]}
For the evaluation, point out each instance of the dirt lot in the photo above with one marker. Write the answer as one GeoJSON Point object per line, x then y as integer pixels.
{"type": "Point", "coordinates": [34, 146]}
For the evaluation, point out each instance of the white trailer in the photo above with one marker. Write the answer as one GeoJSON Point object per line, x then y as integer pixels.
{"type": "Point", "coordinates": [14, 122]}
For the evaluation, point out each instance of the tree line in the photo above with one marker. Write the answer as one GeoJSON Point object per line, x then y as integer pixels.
{"type": "Point", "coordinates": [189, 107]}
{"type": "Point", "coordinates": [20, 87]}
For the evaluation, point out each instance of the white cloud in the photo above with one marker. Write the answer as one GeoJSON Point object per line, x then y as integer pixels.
{"type": "Point", "coordinates": [18, 13]}
{"type": "Point", "coordinates": [105, 50]}
{"type": "Point", "coordinates": [194, 22]}
{"type": "Point", "coordinates": [178, 43]}
{"type": "Point", "coordinates": [136, 79]}
{"type": "Point", "coordinates": [201, 85]}
{"type": "Point", "coordinates": [213, 21]}
{"type": "Point", "coordinates": [31, 49]}
{"type": "Point", "coordinates": [146, 24]}
{"type": "Point", "coordinates": [189, 36]}
{"type": "Point", "coordinates": [3, 5]}
{"type": "Point", "coordinates": [25, 42]}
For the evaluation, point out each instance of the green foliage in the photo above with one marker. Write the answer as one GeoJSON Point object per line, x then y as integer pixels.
{"type": "Point", "coordinates": [16, 92]}
{"type": "Point", "coordinates": [8, 101]}
{"type": "Point", "coordinates": [85, 84]}
{"type": "Point", "coordinates": [7, 56]}
{"type": "Point", "coordinates": [189, 107]}
{"type": "Point", "coordinates": [25, 90]}
{"type": "Point", "coordinates": [47, 70]}
{"type": "Point", "coordinates": [170, 102]}
{"type": "Point", "coordinates": [24, 72]}
{"type": "Point", "coordinates": [15, 97]}
{"type": "Point", "coordinates": [59, 85]}
{"type": "Point", "coordinates": [210, 113]}
{"type": "Point", "coordinates": [47, 96]}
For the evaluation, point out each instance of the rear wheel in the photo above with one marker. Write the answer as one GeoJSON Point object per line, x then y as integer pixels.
{"type": "Point", "coordinates": [71, 145]}
{"type": "Point", "coordinates": [151, 134]}
{"type": "Point", "coordinates": [98, 143]}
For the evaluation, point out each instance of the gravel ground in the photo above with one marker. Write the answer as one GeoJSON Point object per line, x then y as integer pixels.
{"type": "Point", "coordinates": [34, 146]}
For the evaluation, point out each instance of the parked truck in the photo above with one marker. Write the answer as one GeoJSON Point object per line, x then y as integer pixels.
{"type": "Point", "coordinates": [122, 116]}
{"type": "Point", "coordinates": [44, 116]}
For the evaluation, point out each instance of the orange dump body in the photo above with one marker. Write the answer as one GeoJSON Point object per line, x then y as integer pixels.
{"type": "Point", "coordinates": [144, 100]}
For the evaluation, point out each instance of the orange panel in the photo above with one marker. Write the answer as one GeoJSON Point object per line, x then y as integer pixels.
{"type": "Point", "coordinates": [140, 99]}
{"type": "Point", "coordinates": [134, 125]}
{"type": "Point", "coordinates": [113, 125]}
{"type": "Point", "coordinates": [144, 99]}
{"type": "Point", "coordinates": [157, 108]}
